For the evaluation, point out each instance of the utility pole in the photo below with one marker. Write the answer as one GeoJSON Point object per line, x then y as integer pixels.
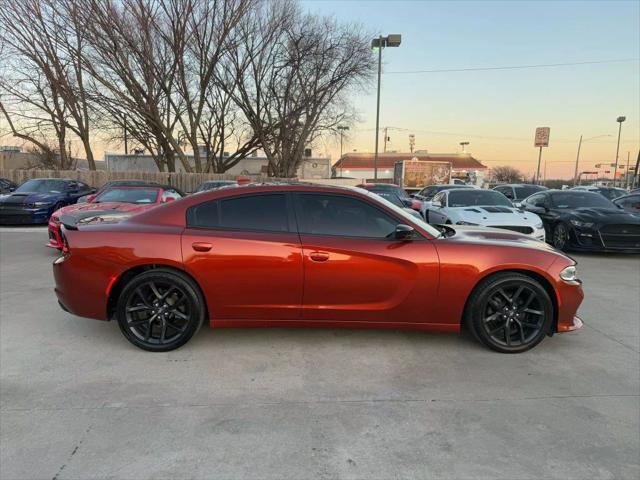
{"type": "Point", "coordinates": [412, 142]}
{"type": "Point", "coordinates": [381, 42]}
{"type": "Point", "coordinates": [342, 129]}
{"type": "Point", "coordinates": [575, 173]}
{"type": "Point", "coordinates": [620, 119]}
{"type": "Point", "coordinates": [384, 150]}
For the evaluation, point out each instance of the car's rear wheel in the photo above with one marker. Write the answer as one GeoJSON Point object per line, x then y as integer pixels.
{"type": "Point", "coordinates": [560, 236]}
{"type": "Point", "coordinates": [509, 312]}
{"type": "Point", "coordinates": [160, 310]}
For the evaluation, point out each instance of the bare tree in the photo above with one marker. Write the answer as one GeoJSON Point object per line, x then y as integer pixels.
{"type": "Point", "coordinates": [42, 88]}
{"type": "Point", "coordinates": [506, 174]}
{"type": "Point", "coordinates": [293, 71]}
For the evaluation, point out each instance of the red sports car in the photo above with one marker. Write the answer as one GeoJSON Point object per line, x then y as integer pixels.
{"type": "Point", "coordinates": [311, 256]}
{"type": "Point", "coordinates": [115, 202]}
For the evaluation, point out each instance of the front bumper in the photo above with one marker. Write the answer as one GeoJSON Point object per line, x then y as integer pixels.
{"type": "Point", "coordinates": [55, 235]}
{"type": "Point", "coordinates": [566, 327]}
{"type": "Point", "coordinates": [23, 216]}
{"type": "Point", "coordinates": [593, 240]}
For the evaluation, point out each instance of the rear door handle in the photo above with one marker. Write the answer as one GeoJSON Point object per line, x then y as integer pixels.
{"type": "Point", "coordinates": [319, 256]}
{"type": "Point", "coordinates": [201, 246]}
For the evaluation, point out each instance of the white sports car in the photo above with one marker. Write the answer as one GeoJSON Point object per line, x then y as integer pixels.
{"type": "Point", "coordinates": [486, 208]}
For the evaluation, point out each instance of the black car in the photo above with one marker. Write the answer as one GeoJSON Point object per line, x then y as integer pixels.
{"type": "Point", "coordinates": [7, 186]}
{"type": "Point", "coordinates": [516, 192]}
{"type": "Point", "coordinates": [631, 202]}
{"type": "Point", "coordinates": [608, 192]}
{"type": "Point", "coordinates": [581, 220]}
{"type": "Point", "coordinates": [214, 185]}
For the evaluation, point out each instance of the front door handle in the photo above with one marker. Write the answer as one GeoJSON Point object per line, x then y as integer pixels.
{"type": "Point", "coordinates": [319, 256]}
{"type": "Point", "coordinates": [201, 246]}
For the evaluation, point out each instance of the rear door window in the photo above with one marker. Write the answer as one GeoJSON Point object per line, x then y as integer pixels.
{"type": "Point", "coordinates": [266, 213]}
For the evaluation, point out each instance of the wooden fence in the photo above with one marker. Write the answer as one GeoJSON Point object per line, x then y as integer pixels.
{"type": "Point", "coordinates": [187, 182]}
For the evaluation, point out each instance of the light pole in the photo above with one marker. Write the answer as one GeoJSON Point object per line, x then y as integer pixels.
{"type": "Point", "coordinates": [463, 145]}
{"type": "Point", "coordinates": [580, 142]}
{"type": "Point", "coordinates": [620, 119]}
{"type": "Point", "coordinates": [342, 129]}
{"type": "Point", "coordinates": [380, 43]}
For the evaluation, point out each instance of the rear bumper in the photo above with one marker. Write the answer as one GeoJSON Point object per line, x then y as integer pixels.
{"type": "Point", "coordinates": [78, 293]}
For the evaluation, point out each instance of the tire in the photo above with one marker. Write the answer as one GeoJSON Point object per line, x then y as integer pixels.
{"type": "Point", "coordinates": [560, 236]}
{"type": "Point", "coordinates": [509, 312]}
{"type": "Point", "coordinates": [160, 310]}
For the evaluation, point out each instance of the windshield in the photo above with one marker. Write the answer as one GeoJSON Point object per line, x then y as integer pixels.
{"type": "Point", "coordinates": [469, 198]}
{"type": "Point", "coordinates": [129, 195]}
{"type": "Point", "coordinates": [424, 225]}
{"type": "Point", "coordinates": [42, 186]}
{"type": "Point", "coordinates": [577, 199]}
{"type": "Point", "coordinates": [391, 197]}
{"type": "Point", "coordinates": [388, 189]}
{"type": "Point", "coordinates": [611, 193]}
{"type": "Point", "coordinates": [528, 190]}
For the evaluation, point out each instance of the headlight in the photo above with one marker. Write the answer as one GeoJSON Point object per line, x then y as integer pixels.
{"type": "Point", "coordinates": [39, 204]}
{"type": "Point", "coordinates": [569, 274]}
{"type": "Point", "coordinates": [538, 226]}
{"type": "Point", "coordinates": [462, 222]}
{"type": "Point", "coordinates": [580, 224]}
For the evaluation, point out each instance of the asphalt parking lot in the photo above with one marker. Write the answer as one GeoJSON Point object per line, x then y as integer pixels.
{"type": "Point", "coordinates": [78, 401]}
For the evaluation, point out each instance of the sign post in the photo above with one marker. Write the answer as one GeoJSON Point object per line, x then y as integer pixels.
{"type": "Point", "coordinates": [541, 140]}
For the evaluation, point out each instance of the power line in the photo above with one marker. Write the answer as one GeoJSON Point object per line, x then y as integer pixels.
{"type": "Point", "coordinates": [512, 67]}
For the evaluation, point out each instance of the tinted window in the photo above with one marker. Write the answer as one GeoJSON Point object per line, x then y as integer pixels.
{"type": "Point", "coordinates": [506, 191]}
{"type": "Point", "coordinates": [466, 198]}
{"type": "Point", "coordinates": [43, 186]}
{"type": "Point", "coordinates": [630, 201]}
{"type": "Point", "coordinates": [611, 193]}
{"type": "Point", "coordinates": [527, 190]}
{"type": "Point", "coordinates": [343, 216]}
{"type": "Point", "coordinates": [256, 212]}
{"type": "Point", "coordinates": [392, 197]}
{"type": "Point", "coordinates": [537, 200]}
{"type": "Point", "coordinates": [577, 199]}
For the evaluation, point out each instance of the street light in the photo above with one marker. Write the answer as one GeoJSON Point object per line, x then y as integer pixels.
{"type": "Point", "coordinates": [342, 129]}
{"type": "Point", "coordinates": [463, 144]}
{"type": "Point", "coordinates": [380, 43]}
{"type": "Point", "coordinates": [580, 142]}
{"type": "Point", "coordinates": [620, 119]}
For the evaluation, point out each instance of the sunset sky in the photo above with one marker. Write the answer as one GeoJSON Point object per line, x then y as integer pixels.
{"type": "Point", "coordinates": [498, 111]}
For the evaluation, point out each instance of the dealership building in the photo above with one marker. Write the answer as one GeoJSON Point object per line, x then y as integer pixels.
{"type": "Point", "coordinates": [361, 165]}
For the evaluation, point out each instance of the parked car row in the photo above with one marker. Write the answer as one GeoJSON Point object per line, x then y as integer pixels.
{"type": "Point", "coordinates": [45, 200]}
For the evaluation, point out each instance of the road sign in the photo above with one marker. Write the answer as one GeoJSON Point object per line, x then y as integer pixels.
{"type": "Point", "coordinates": [542, 137]}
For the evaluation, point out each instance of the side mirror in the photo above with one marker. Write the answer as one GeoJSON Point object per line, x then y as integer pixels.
{"type": "Point", "coordinates": [91, 198]}
{"type": "Point", "coordinates": [436, 203]}
{"type": "Point", "coordinates": [404, 232]}
{"type": "Point", "coordinates": [12, 189]}
{"type": "Point", "coordinates": [407, 202]}
{"type": "Point", "coordinates": [517, 204]}
{"type": "Point", "coordinates": [169, 199]}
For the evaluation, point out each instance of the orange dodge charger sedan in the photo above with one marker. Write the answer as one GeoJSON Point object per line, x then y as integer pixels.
{"type": "Point", "coordinates": [311, 256]}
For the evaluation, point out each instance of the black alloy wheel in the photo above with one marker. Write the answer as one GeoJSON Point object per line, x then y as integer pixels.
{"type": "Point", "coordinates": [160, 310]}
{"type": "Point", "coordinates": [560, 236]}
{"type": "Point", "coordinates": [510, 312]}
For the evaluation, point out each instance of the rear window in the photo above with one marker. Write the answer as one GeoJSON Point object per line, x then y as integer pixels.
{"type": "Point", "coordinates": [527, 190]}
{"type": "Point", "coordinates": [266, 213]}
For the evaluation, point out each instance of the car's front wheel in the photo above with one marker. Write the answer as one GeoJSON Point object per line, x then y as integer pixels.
{"type": "Point", "coordinates": [560, 236]}
{"type": "Point", "coordinates": [509, 312]}
{"type": "Point", "coordinates": [160, 310]}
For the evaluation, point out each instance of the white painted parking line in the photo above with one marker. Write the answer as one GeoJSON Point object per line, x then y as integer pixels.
{"type": "Point", "coordinates": [23, 229]}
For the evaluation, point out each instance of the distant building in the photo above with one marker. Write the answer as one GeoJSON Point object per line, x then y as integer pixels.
{"type": "Point", "coordinates": [312, 167]}
{"type": "Point", "coordinates": [361, 165]}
